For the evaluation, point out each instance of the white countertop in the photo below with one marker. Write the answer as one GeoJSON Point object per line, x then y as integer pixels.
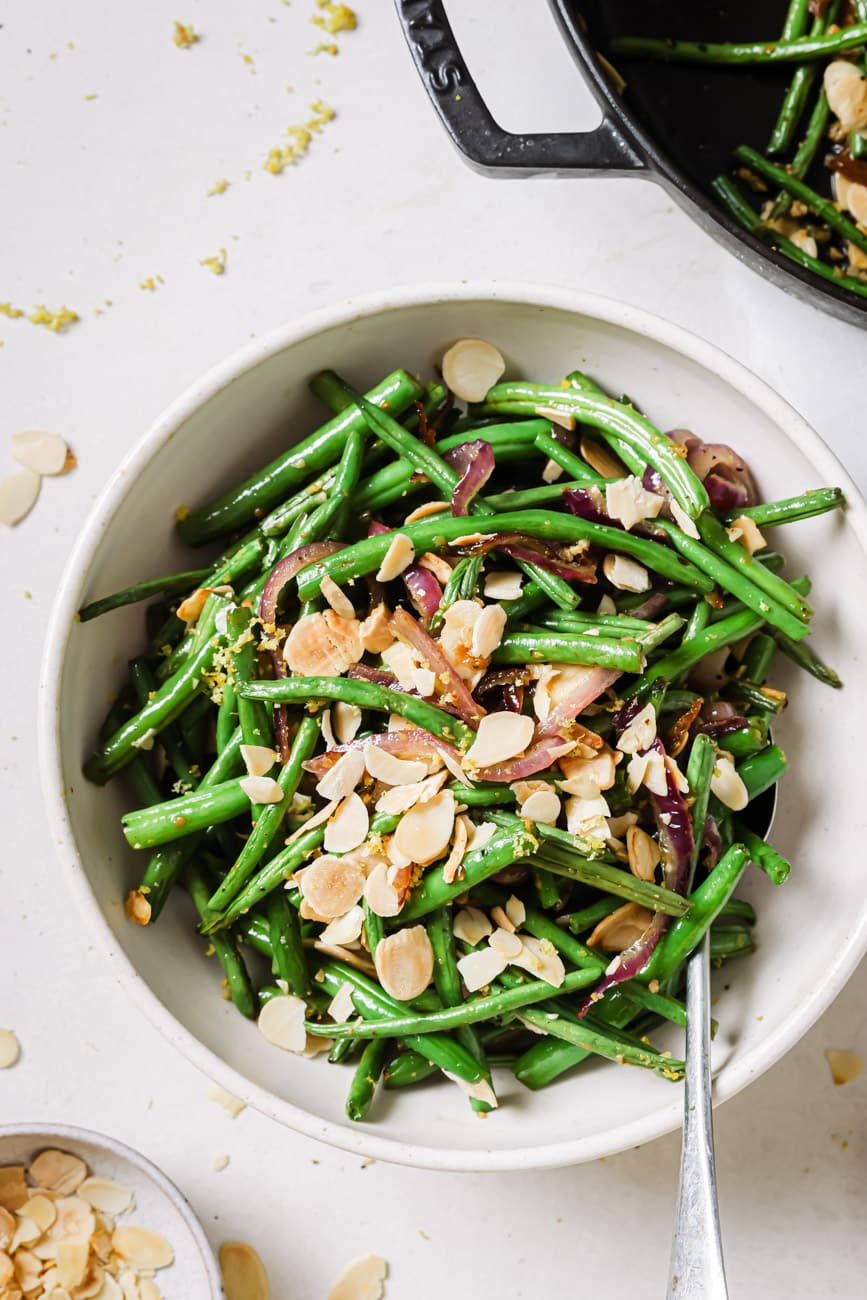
{"type": "Point", "coordinates": [100, 193]}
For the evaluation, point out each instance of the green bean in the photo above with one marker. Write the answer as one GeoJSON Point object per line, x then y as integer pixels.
{"type": "Point", "coordinates": [407, 1068]}
{"type": "Point", "coordinates": [225, 948]}
{"type": "Point", "coordinates": [585, 919]}
{"type": "Point", "coordinates": [804, 506]}
{"type": "Point", "coordinates": [699, 771]}
{"type": "Point", "coordinates": [530, 498]}
{"type": "Point", "coordinates": [288, 956]}
{"type": "Point", "coordinates": [746, 740]}
{"type": "Point", "coordinates": [743, 53]}
{"type": "Point", "coordinates": [270, 816]}
{"type": "Point", "coordinates": [697, 621]}
{"type": "Point", "coordinates": [546, 887]}
{"type": "Point", "coordinates": [256, 728]}
{"type": "Point", "coordinates": [763, 856]}
{"type": "Point", "coordinates": [144, 828]}
{"type": "Point", "coordinates": [166, 705]}
{"type": "Point", "coordinates": [291, 469]}
{"type": "Point", "coordinates": [609, 418]}
{"type": "Point", "coordinates": [574, 466]}
{"type": "Point", "coordinates": [707, 901]}
{"type": "Point", "coordinates": [143, 783]}
{"type": "Point", "coordinates": [282, 517]}
{"type": "Point", "coordinates": [442, 530]}
{"type": "Point", "coordinates": [227, 715]}
{"type": "Point", "coordinates": [374, 928]}
{"type": "Point", "coordinates": [366, 695]}
{"type": "Point", "coordinates": [758, 657]}
{"type": "Point", "coordinates": [540, 925]}
{"type": "Point", "coordinates": [740, 908]}
{"type": "Point", "coordinates": [616, 624]}
{"type": "Point", "coordinates": [242, 557]}
{"type": "Point", "coordinates": [760, 771]}
{"type": "Point", "coordinates": [823, 208]}
{"type": "Point", "coordinates": [802, 78]}
{"type": "Point", "coordinates": [168, 586]}
{"type": "Point", "coordinates": [447, 982]}
{"type": "Point", "coordinates": [365, 1079]}
{"type": "Point", "coordinates": [270, 877]}
{"type": "Point", "coordinates": [471, 1012]}
{"type": "Point", "coordinates": [658, 633]}
{"type": "Point", "coordinates": [592, 1039]}
{"type": "Point", "coordinates": [330, 517]}
{"type": "Point", "coordinates": [553, 647]}
{"type": "Point", "coordinates": [170, 737]}
{"type": "Point", "coordinates": [729, 943]}
{"type": "Point", "coordinates": [612, 880]}
{"type": "Point", "coordinates": [807, 659]}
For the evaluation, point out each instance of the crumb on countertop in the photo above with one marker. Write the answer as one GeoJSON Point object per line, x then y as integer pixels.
{"type": "Point", "coordinates": [300, 139]}
{"type": "Point", "coordinates": [219, 187]}
{"type": "Point", "coordinates": [151, 283]}
{"type": "Point", "coordinates": [56, 321]}
{"type": "Point", "coordinates": [185, 35]}
{"type": "Point", "coordinates": [216, 264]}
{"type": "Point", "coordinates": [334, 18]}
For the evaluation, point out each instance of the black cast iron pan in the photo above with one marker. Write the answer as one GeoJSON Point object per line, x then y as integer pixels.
{"type": "Point", "coordinates": [674, 124]}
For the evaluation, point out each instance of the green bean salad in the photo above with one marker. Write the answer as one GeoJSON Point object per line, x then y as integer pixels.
{"type": "Point", "coordinates": [453, 746]}
{"type": "Point", "coordinates": [824, 108]}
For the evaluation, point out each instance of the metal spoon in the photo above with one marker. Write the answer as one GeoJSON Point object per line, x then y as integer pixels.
{"type": "Point", "coordinates": [696, 1270]}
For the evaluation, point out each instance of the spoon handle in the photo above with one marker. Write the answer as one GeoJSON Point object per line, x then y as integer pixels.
{"type": "Point", "coordinates": [696, 1271]}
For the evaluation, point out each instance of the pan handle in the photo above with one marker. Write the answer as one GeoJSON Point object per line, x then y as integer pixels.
{"type": "Point", "coordinates": [466, 117]}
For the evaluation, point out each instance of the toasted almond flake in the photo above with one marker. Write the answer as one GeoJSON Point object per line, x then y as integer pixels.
{"type": "Point", "coordinates": [384, 767]}
{"type": "Point", "coordinates": [606, 606]}
{"type": "Point", "coordinates": [620, 928]}
{"type": "Point", "coordinates": [515, 910]}
{"type": "Point", "coordinates": [323, 645]}
{"type": "Point", "coordinates": [219, 1162]}
{"type": "Point", "coordinates": [844, 1066]}
{"type": "Point", "coordinates": [624, 573]}
{"type": "Point", "coordinates": [471, 926]}
{"type": "Point", "coordinates": [44, 453]}
{"type": "Point", "coordinates": [398, 557]}
{"type": "Point", "coordinates": [7, 1227]}
{"type": "Point", "coordinates": [27, 1270]}
{"type": "Point", "coordinates": [502, 585]}
{"type": "Point", "coordinates": [642, 853]}
{"type": "Point", "coordinates": [58, 1171]}
{"type": "Point", "coordinates": [564, 419]}
{"type": "Point", "coordinates": [488, 631]}
{"type": "Point", "coordinates": [191, 607]}
{"type": "Point", "coordinates": [332, 885]}
{"type": "Point", "coordinates": [478, 969]}
{"type": "Point", "coordinates": [551, 471]}
{"type": "Point", "coordinates": [542, 806]}
{"type": "Point", "coordinates": [346, 928]}
{"type": "Point", "coordinates": [10, 1048]}
{"type": "Point", "coordinates": [261, 789]}
{"type": "Point", "coordinates": [75, 1218]}
{"type": "Point", "coordinates": [649, 770]}
{"type": "Point", "coordinates": [423, 833]}
{"type": "Point", "coordinates": [399, 799]}
{"type": "Point", "coordinates": [337, 598]}
{"type": "Point", "coordinates": [106, 1195]}
{"type": "Point", "coordinates": [501, 918]}
{"type": "Point", "coordinates": [425, 511]}
{"type": "Point", "coordinates": [363, 1279]}
{"type": "Point", "coordinates": [455, 767]}
{"type": "Point", "coordinates": [72, 1257]}
{"type": "Point", "coordinates": [146, 741]}
{"type": "Point", "coordinates": [453, 863]}
{"type": "Point", "coordinates": [598, 457]}
{"type": "Point", "coordinates": [470, 367]}
{"type": "Point", "coordinates": [508, 945]}
{"type": "Point", "coordinates": [400, 660]}
{"type": "Point", "coordinates": [382, 896]}
{"type": "Point", "coordinates": [440, 568]}
{"type": "Point", "coordinates": [348, 827]}
{"type": "Point", "coordinates": [727, 784]}
{"type": "Point", "coordinates": [129, 1285]}
{"type": "Point", "coordinates": [404, 963]}
{"type": "Point", "coordinates": [500, 736]}
{"type": "Point", "coordinates": [541, 959]}
{"type": "Point", "coordinates": [26, 1232]}
{"type": "Point", "coordinates": [343, 777]}
{"type": "Point", "coordinates": [481, 834]}
{"type": "Point", "coordinates": [424, 680]}
{"type": "Point", "coordinates": [40, 1210]}
{"type": "Point", "coordinates": [395, 855]}
{"type": "Point", "coordinates": [629, 501]}
{"type": "Point", "coordinates": [619, 825]}
{"type": "Point", "coordinates": [376, 634]}
{"type": "Point", "coordinates": [587, 777]}
{"type": "Point", "coordinates": [7, 1270]}
{"type": "Point", "coordinates": [341, 1007]}
{"type": "Point", "coordinates": [641, 732]}
{"type": "Point", "coordinates": [244, 1276]}
{"type": "Point", "coordinates": [481, 1090]}
{"type": "Point", "coordinates": [684, 521]}
{"type": "Point", "coordinates": [456, 638]}
{"type": "Point", "coordinates": [258, 759]}
{"type": "Point", "coordinates": [18, 493]}
{"type": "Point", "coordinates": [281, 1021]}
{"type": "Point", "coordinates": [846, 89]}
{"type": "Point", "coordinates": [747, 533]}
{"type": "Point", "coordinates": [346, 719]}
{"type": "Point", "coordinates": [230, 1103]}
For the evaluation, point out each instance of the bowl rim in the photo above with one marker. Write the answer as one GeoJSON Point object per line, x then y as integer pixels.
{"type": "Point", "coordinates": [363, 1141]}
{"type": "Point", "coordinates": [172, 1193]}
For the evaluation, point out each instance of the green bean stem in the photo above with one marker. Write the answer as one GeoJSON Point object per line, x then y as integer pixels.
{"type": "Point", "coordinates": [743, 53]}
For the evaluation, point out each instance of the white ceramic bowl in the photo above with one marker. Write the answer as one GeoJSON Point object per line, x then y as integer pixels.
{"type": "Point", "coordinates": [811, 933]}
{"type": "Point", "coordinates": [158, 1203]}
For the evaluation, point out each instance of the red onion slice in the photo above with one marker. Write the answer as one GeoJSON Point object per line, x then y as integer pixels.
{"type": "Point", "coordinates": [629, 963]}
{"type": "Point", "coordinates": [474, 461]}
{"type": "Point", "coordinates": [410, 742]}
{"type": "Point", "coordinates": [562, 568]}
{"type": "Point", "coordinates": [589, 503]}
{"type": "Point", "coordinates": [448, 680]}
{"type": "Point", "coordinates": [537, 758]}
{"type": "Point", "coordinates": [595, 683]}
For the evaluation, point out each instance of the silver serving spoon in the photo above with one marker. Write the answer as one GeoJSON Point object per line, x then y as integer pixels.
{"type": "Point", "coordinates": [696, 1270]}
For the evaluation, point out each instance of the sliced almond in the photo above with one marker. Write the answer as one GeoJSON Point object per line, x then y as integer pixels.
{"type": "Point", "coordinates": [488, 631]}
{"type": "Point", "coordinates": [7, 1227]}
{"type": "Point", "coordinates": [515, 910]}
{"type": "Point", "coordinates": [685, 522]}
{"type": "Point", "coordinates": [424, 680]}
{"type": "Point", "coordinates": [106, 1195]}
{"type": "Point", "coordinates": [471, 926]}
{"type": "Point", "coordinates": [341, 1007]}
{"type": "Point", "coordinates": [844, 1066]}
{"type": "Point", "coordinates": [620, 928]}
{"type": "Point", "coordinates": [404, 963]}
{"type": "Point", "coordinates": [72, 1258]}
{"type": "Point", "coordinates": [425, 511]}
{"type": "Point", "coordinates": [642, 852]}
{"type": "Point", "coordinates": [423, 834]}
{"type": "Point", "coordinates": [346, 928]}
{"type": "Point", "coordinates": [147, 1289]}
{"type": "Point", "coordinates": [470, 367]}
{"type": "Point", "coordinates": [557, 415]}
{"type": "Point", "coordinates": [375, 632]}
{"type": "Point", "coordinates": [348, 827]}
{"type": "Point", "coordinates": [541, 959]}
{"type": "Point", "coordinates": [10, 1048]}
{"type": "Point", "coordinates": [281, 1021]}
{"type": "Point", "coordinates": [43, 453]}
{"type": "Point", "coordinates": [26, 1232]}
{"type": "Point", "coordinates": [501, 918]}
{"type": "Point", "coordinates": [323, 645]}
{"type": "Point", "coordinates": [258, 759]}
{"type": "Point", "coordinates": [500, 736]}
{"type": "Point", "coordinates": [478, 969]}
{"type": "Point", "coordinates": [649, 770]}
{"type": "Point", "coordinates": [332, 885]}
{"type": "Point", "coordinates": [41, 1211]}
{"type": "Point", "coordinates": [27, 1269]}
{"type": "Point", "coordinates": [542, 806]}
{"type": "Point", "coordinates": [229, 1102]}
{"type": "Point", "coordinates": [244, 1276]}
{"type": "Point", "coordinates": [551, 471]}
{"type": "Point", "coordinates": [75, 1219]}
{"type": "Point", "coordinates": [846, 89]}
{"type": "Point", "coordinates": [7, 1270]}
{"type": "Point", "coordinates": [343, 777]}
{"type": "Point", "coordinates": [481, 1090]}
{"type": "Point", "coordinates": [261, 789]}
{"type": "Point", "coordinates": [440, 568]}
{"type": "Point", "coordinates": [453, 863]}
{"type": "Point", "coordinates": [588, 777]}
{"type": "Point", "coordinates": [337, 598]}
{"type": "Point", "coordinates": [143, 1248]}
{"type": "Point", "coordinates": [363, 1279]}
{"type": "Point", "coordinates": [18, 493]}
{"type": "Point", "coordinates": [508, 945]}
{"type": "Point", "coordinates": [598, 457]}
{"type": "Point", "coordinates": [625, 573]}
{"type": "Point", "coordinates": [629, 501]}
{"type": "Point", "coordinates": [727, 784]}
{"type": "Point", "coordinates": [384, 767]}
{"type": "Point", "coordinates": [502, 585]}
{"type": "Point", "coordinates": [346, 719]}
{"type": "Point", "coordinates": [481, 834]}
{"type": "Point", "coordinates": [383, 898]}
{"type": "Point", "coordinates": [399, 799]}
{"type": "Point", "coordinates": [641, 732]}
{"type": "Point", "coordinates": [399, 556]}
{"type": "Point", "coordinates": [58, 1171]}
{"type": "Point", "coordinates": [747, 532]}
{"type": "Point", "coordinates": [128, 1283]}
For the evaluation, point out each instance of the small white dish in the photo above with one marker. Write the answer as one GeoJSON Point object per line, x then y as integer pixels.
{"type": "Point", "coordinates": [811, 933]}
{"type": "Point", "coordinates": [159, 1205]}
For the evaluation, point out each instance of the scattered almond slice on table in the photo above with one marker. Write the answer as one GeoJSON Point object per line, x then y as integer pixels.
{"type": "Point", "coordinates": [39, 454]}
{"type": "Point", "coordinates": [363, 1279]}
{"type": "Point", "coordinates": [844, 1066]}
{"type": "Point", "coordinates": [10, 1048]}
{"type": "Point", "coordinates": [244, 1276]}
